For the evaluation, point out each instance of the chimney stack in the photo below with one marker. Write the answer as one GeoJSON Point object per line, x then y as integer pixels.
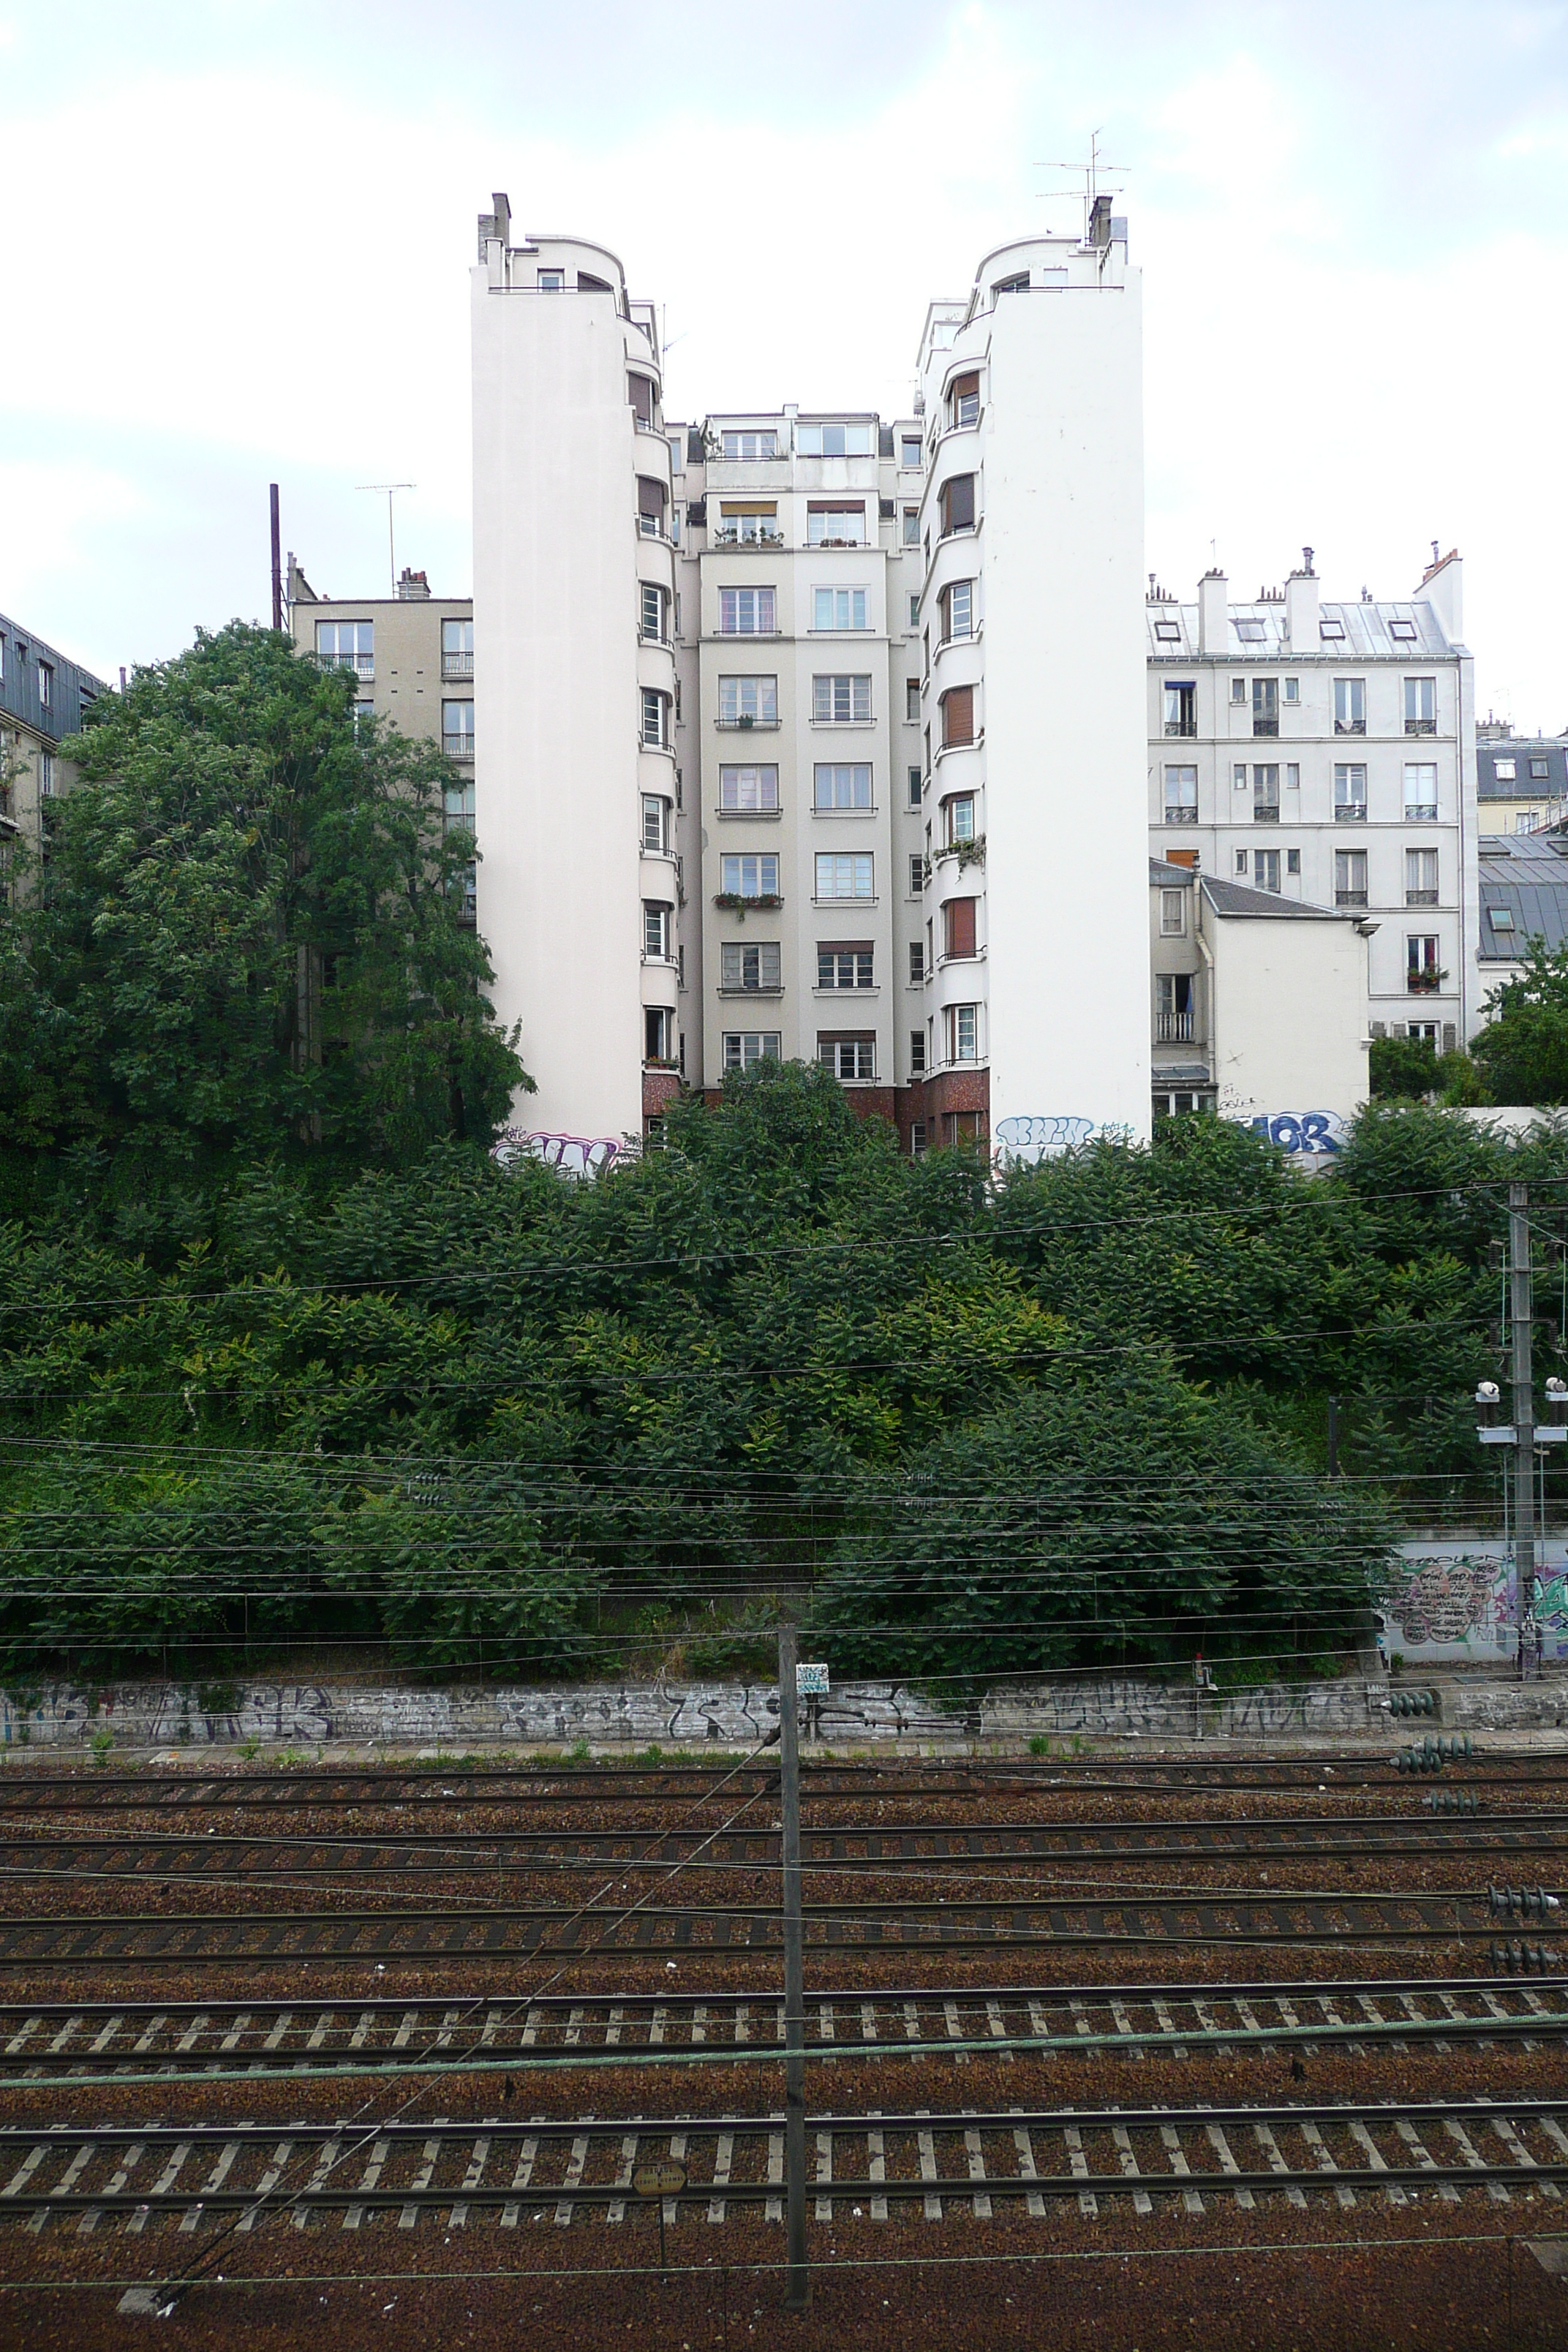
{"type": "Point", "coordinates": [1302, 608]}
{"type": "Point", "coordinates": [1214, 614]}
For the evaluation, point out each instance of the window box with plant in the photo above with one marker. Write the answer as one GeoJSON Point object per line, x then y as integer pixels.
{"type": "Point", "coordinates": [738, 903]}
{"type": "Point", "coordinates": [1425, 983]}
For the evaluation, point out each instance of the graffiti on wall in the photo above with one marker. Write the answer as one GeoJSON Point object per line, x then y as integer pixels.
{"type": "Point", "coordinates": [1308, 1131]}
{"type": "Point", "coordinates": [1042, 1135]}
{"type": "Point", "coordinates": [1447, 1601]}
{"type": "Point", "coordinates": [570, 1155]}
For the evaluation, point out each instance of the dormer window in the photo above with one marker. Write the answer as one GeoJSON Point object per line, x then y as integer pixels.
{"type": "Point", "coordinates": [1402, 629]}
{"type": "Point", "coordinates": [1330, 628]}
{"type": "Point", "coordinates": [552, 281]}
{"type": "Point", "coordinates": [1251, 631]}
{"type": "Point", "coordinates": [1169, 632]}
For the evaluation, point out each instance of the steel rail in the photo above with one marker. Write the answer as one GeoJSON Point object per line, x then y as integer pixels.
{"type": "Point", "coordinates": [484, 1932]}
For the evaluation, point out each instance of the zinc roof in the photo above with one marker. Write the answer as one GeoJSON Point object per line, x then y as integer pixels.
{"type": "Point", "coordinates": [1527, 877]}
{"type": "Point", "coordinates": [1367, 635]}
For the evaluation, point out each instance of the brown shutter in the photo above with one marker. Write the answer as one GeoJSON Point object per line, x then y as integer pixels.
{"type": "Point", "coordinates": [964, 386]}
{"type": "Point", "coordinates": [641, 393]}
{"type": "Point", "coordinates": [958, 920]}
{"type": "Point", "coordinates": [958, 714]}
{"type": "Point", "coordinates": [650, 496]}
{"type": "Point", "coordinates": [958, 503]}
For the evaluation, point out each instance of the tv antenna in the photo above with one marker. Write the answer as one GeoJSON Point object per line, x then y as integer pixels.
{"type": "Point", "coordinates": [1090, 174]}
{"type": "Point", "coordinates": [389, 491]}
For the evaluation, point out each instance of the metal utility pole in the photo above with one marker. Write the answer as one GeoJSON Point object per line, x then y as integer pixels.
{"type": "Point", "coordinates": [797, 2288]}
{"type": "Point", "coordinates": [1521, 1313]}
{"type": "Point", "coordinates": [389, 491]}
{"type": "Point", "coordinates": [276, 561]}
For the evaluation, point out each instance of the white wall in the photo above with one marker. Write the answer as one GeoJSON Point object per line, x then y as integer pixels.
{"type": "Point", "coordinates": [1289, 1014]}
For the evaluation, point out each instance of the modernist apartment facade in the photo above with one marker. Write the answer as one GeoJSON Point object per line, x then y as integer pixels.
{"type": "Point", "coordinates": [1326, 752]}
{"type": "Point", "coordinates": [792, 730]}
{"type": "Point", "coordinates": [43, 697]}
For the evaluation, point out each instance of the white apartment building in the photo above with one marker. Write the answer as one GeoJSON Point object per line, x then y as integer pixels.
{"type": "Point", "coordinates": [796, 733]}
{"type": "Point", "coordinates": [1327, 752]}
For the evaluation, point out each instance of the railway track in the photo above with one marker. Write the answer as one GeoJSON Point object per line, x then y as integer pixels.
{"type": "Point", "coordinates": [851, 1847]}
{"type": "Point", "coordinates": [85, 2042]}
{"type": "Point", "coordinates": [535, 2170]}
{"type": "Point", "coordinates": [488, 1932]}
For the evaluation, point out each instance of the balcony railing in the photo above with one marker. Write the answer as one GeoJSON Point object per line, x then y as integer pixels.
{"type": "Point", "coordinates": [365, 664]}
{"type": "Point", "coordinates": [1421, 812]}
{"type": "Point", "coordinates": [457, 665]}
{"type": "Point", "coordinates": [1265, 727]}
{"type": "Point", "coordinates": [730, 537]}
{"type": "Point", "coordinates": [1181, 816]}
{"type": "Point", "coordinates": [1350, 898]}
{"type": "Point", "coordinates": [457, 747]}
{"type": "Point", "coordinates": [1265, 812]}
{"type": "Point", "coordinates": [1420, 898]}
{"type": "Point", "coordinates": [1421, 727]}
{"type": "Point", "coordinates": [1350, 812]}
{"type": "Point", "coordinates": [1181, 727]}
{"type": "Point", "coordinates": [1174, 1028]}
{"type": "Point", "coordinates": [1350, 727]}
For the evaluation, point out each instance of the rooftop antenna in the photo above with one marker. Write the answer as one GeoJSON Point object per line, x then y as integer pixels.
{"type": "Point", "coordinates": [1089, 174]}
{"type": "Point", "coordinates": [389, 491]}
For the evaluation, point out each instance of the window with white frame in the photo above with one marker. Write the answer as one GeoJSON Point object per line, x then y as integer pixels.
{"type": "Point", "coordinates": [958, 610]}
{"type": "Point", "coordinates": [847, 1057]}
{"type": "Point", "coordinates": [744, 1046]}
{"type": "Point", "coordinates": [1349, 791]}
{"type": "Point", "coordinates": [1420, 791]}
{"type": "Point", "coordinates": [1422, 970]}
{"type": "Point", "coordinates": [458, 730]}
{"type": "Point", "coordinates": [917, 784]}
{"type": "Point", "coordinates": [834, 440]}
{"type": "Point", "coordinates": [748, 792]}
{"type": "Point", "coordinates": [845, 786]}
{"type": "Point", "coordinates": [748, 701]}
{"type": "Point", "coordinates": [747, 523]}
{"type": "Point", "coordinates": [910, 454]}
{"type": "Point", "coordinates": [1181, 795]}
{"type": "Point", "coordinates": [837, 608]}
{"type": "Point", "coordinates": [1420, 877]}
{"type": "Point", "coordinates": [750, 875]}
{"type": "Point", "coordinates": [1420, 706]}
{"type": "Point", "coordinates": [1504, 771]}
{"type": "Point", "coordinates": [961, 1033]}
{"type": "Point", "coordinates": [746, 613]}
{"type": "Point", "coordinates": [1181, 699]}
{"type": "Point", "coordinates": [1172, 914]}
{"type": "Point", "coordinates": [653, 622]}
{"type": "Point", "coordinates": [1350, 877]}
{"type": "Point", "coordinates": [1238, 689]}
{"type": "Point", "coordinates": [844, 964]}
{"type": "Point", "coordinates": [964, 399]}
{"type": "Point", "coordinates": [1265, 869]}
{"type": "Point", "coordinates": [46, 775]}
{"type": "Point", "coordinates": [912, 527]}
{"type": "Point", "coordinates": [655, 827]}
{"type": "Point", "coordinates": [917, 1066]}
{"type": "Point", "coordinates": [843, 874]}
{"type": "Point", "coordinates": [744, 446]}
{"type": "Point", "coordinates": [959, 812]}
{"type": "Point", "coordinates": [657, 930]}
{"type": "Point", "coordinates": [457, 649]}
{"type": "Point", "coordinates": [1266, 793]}
{"type": "Point", "coordinates": [1292, 689]}
{"type": "Point", "coordinates": [655, 718]}
{"type": "Point", "coordinates": [835, 522]}
{"type": "Point", "coordinates": [346, 645]}
{"type": "Point", "coordinates": [1350, 705]}
{"type": "Point", "coordinates": [842, 699]}
{"type": "Point", "coordinates": [957, 504]}
{"type": "Point", "coordinates": [917, 961]}
{"type": "Point", "coordinates": [750, 965]}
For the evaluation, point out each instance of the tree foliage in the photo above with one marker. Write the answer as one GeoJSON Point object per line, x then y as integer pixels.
{"type": "Point", "coordinates": [1524, 1050]}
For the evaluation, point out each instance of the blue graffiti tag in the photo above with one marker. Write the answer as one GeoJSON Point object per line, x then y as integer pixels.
{"type": "Point", "coordinates": [1308, 1130]}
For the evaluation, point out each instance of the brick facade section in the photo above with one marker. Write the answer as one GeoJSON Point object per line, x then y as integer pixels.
{"type": "Point", "coordinates": [931, 1102]}
{"type": "Point", "coordinates": [659, 1089]}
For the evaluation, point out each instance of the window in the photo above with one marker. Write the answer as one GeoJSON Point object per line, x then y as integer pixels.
{"type": "Point", "coordinates": [552, 281]}
{"type": "Point", "coordinates": [752, 524]}
{"type": "Point", "coordinates": [748, 702]}
{"type": "Point", "coordinates": [911, 531]}
{"type": "Point", "coordinates": [749, 964]}
{"type": "Point", "coordinates": [961, 1032]}
{"type": "Point", "coordinates": [1404, 631]}
{"type": "Point", "coordinates": [1241, 862]}
{"type": "Point", "coordinates": [1292, 689]}
{"type": "Point", "coordinates": [46, 687]}
{"type": "Point", "coordinates": [743, 448]}
{"type": "Point", "coordinates": [1172, 914]}
{"type": "Point", "coordinates": [1501, 918]}
{"type": "Point", "coordinates": [457, 649]}
{"type": "Point", "coordinates": [651, 498]}
{"type": "Point", "coordinates": [655, 718]}
{"type": "Point", "coordinates": [640, 392]}
{"type": "Point", "coordinates": [910, 453]}
{"type": "Point", "coordinates": [1420, 877]}
{"type": "Point", "coordinates": [750, 876]}
{"type": "Point", "coordinates": [834, 440]}
{"type": "Point", "coordinates": [957, 504]}
{"type": "Point", "coordinates": [1292, 776]}
{"type": "Point", "coordinates": [843, 874]}
{"type": "Point", "coordinates": [844, 964]}
{"type": "Point", "coordinates": [841, 701]}
{"type": "Point", "coordinates": [1293, 861]}
{"type": "Point", "coordinates": [1526, 820]}
{"type": "Point", "coordinates": [748, 792]}
{"type": "Point", "coordinates": [1266, 705]}
{"type": "Point", "coordinates": [847, 1058]}
{"type": "Point", "coordinates": [1251, 631]}
{"type": "Point", "coordinates": [46, 775]}
{"type": "Point", "coordinates": [838, 608]}
{"type": "Point", "coordinates": [958, 610]}
{"type": "Point", "coordinates": [1539, 772]}
{"type": "Point", "coordinates": [1265, 869]}
{"type": "Point", "coordinates": [746, 613]}
{"type": "Point", "coordinates": [960, 814]}
{"type": "Point", "coordinates": [1350, 877]}
{"type": "Point", "coordinates": [917, 961]}
{"type": "Point", "coordinates": [964, 399]}
{"type": "Point", "coordinates": [1504, 771]}
{"type": "Point", "coordinates": [1420, 706]}
{"type": "Point", "coordinates": [1350, 705]}
{"type": "Point", "coordinates": [655, 606]}
{"type": "Point", "coordinates": [1330, 628]}
{"type": "Point", "coordinates": [458, 807]}
{"type": "Point", "coordinates": [1180, 796]}
{"type": "Point", "coordinates": [847, 786]}
{"type": "Point", "coordinates": [1422, 972]}
{"type": "Point", "coordinates": [1266, 794]}
{"type": "Point", "coordinates": [917, 874]}
{"type": "Point", "coordinates": [832, 523]}
{"type": "Point", "coordinates": [346, 645]}
{"type": "Point", "coordinates": [958, 716]}
{"type": "Point", "coordinates": [1420, 791]}
{"type": "Point", "coordinates": [917, 1066]}
{"type": "Point", "coordinates": [1180, 708]}
{"type": "Point", "coordinates": [657, 920]}
{"type": "Point", "coordinates": [1238, 689]}
{"type": "Point", "coordinates": [916, 781]}
{"type": "Point", "coordinates": [1168, 632]}
{"type": "Point", "coordinates": [458, 730]}
{"type": "Point", "coordinates": [1238, 776]}
{"type": "Point", "coordinates": [743, 1047]}
{"type": "Point", "coordinates": [914, 612]}
{"type": "Point", "coordinates": [655, 823]}
{"type": "Point", "coordinates": [365, 715]}
{"type": "Point", "coordinates": [958, 929]}
{"type": "Point", "coordinates": [1349, 792]}
{"type": "Point", "coordinates": [1174, 1008]}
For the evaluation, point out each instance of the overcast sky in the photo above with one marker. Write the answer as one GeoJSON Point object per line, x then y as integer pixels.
{"type": "Point", "coordinates": [237, 239]}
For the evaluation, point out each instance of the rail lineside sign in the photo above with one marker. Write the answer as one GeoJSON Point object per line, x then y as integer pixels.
{"type": "Point", "coordinates": [811, 1682]}
{"type": "Point", "coordinates": [666, 2179]}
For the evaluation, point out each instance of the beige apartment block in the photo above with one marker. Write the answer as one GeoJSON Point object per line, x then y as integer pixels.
{"type": "Point", "coordinates": [44, 696]}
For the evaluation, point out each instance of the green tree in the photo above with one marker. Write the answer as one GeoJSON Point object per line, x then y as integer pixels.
{"type": "Point", "coordinates": [1524, 1049]}
{"type": "Point", "coordinates": [1403, 1067]}
{"type": "Point", "coordinates": [243, 931]}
